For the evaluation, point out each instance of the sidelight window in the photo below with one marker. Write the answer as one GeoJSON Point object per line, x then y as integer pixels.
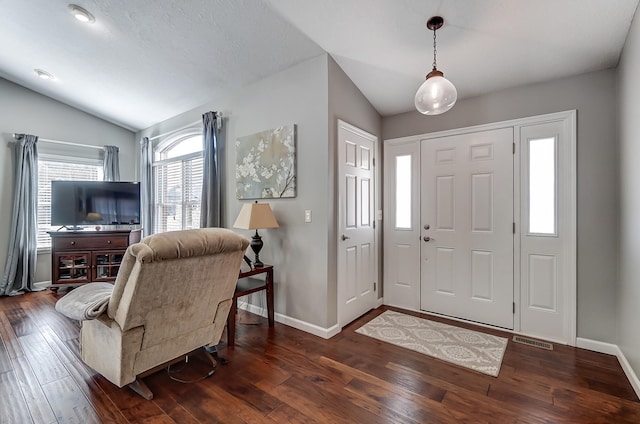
{"type": "Point", "coordinates": [403, 191]}
{"type": "Point", "coordinates": [542, 186]}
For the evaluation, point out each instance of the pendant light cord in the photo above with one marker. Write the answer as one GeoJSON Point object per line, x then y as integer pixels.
{"type": "Point", "coordinates": [434, 48]}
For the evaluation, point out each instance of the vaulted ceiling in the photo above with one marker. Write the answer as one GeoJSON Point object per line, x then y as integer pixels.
{"type": "Point", "coordinates": [144, 61]}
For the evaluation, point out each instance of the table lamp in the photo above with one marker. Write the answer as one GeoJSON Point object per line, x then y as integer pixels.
{"type": "Point", "coordinates": [254, 216]}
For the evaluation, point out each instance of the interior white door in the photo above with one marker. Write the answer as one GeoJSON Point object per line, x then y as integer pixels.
{"type": "Point", "coordinates": [357, 263]}
{"type": "Point", "coordinates": [467, 219]}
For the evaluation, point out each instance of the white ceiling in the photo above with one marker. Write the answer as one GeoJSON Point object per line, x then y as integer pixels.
{"type": "Point", "coordinates": [144, 61]}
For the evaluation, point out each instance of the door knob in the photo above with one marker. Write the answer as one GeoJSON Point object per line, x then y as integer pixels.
{"type": "Point", "coordinates": [426, 238]}
{"type": "Point", "coordinates": [345, 237]}
{"type": "Point", "coordinates": [426, 226]}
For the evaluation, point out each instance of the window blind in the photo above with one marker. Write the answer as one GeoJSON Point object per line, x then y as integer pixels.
{"type": "Point", "coordinates": [177, 193]}
{"type": "Point", "coordinates": [49, 170]}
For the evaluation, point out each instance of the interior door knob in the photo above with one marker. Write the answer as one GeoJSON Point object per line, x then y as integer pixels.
{"type": "Point", "coordinates": [426, 238]}
{"type": "Point", "coordinates": [345, 237]}
{"type": "Point", "coordinates": [426, 226]}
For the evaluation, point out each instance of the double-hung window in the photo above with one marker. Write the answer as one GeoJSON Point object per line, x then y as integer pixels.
{"type": "Point", "coordinates": [50, 168]}
{"type": "Point", "coordinates": [177, 183]}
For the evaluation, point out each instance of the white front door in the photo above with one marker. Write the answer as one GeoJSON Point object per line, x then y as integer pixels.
{"type": "Point", "coordinates": [357, 263]}
{"type": "Point", "coordinates": [467, 225]}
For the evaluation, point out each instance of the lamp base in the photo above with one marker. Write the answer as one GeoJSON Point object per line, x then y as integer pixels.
{"type": "Point", "coordinates": [256, 246]}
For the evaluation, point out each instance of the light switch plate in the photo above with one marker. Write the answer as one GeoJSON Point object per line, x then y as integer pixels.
{"type": "Point", "coordinates": [307, 215]}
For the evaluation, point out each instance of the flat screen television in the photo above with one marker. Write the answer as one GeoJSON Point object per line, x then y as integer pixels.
{"type": "Point", "coordinates": [78, 203]}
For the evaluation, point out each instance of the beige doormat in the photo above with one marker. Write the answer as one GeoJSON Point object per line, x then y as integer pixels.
{"type": "Point", "coordinates": [470, 349]}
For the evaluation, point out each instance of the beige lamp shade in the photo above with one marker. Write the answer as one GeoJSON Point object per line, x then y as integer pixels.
{"type": "Point", "coordinates": [255, 216]}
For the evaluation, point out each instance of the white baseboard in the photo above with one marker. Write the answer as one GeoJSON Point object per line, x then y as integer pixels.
{"type": "Point", "coordinates": [325, 333]}
{"type": "Point", "coordinates": [42, 284]}
{"type": "Point", "coordinates": [596, 346]}
{"type": "Point", "coordinates": [615, 350]}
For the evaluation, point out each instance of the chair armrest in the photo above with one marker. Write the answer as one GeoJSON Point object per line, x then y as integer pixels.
{"type": "Point", "coordinates": [85, 302]}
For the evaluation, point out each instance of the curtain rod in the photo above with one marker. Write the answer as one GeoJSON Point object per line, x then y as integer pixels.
{"type": "Point", "coordinates": [67, 143]}
{"type": "Point", "coordinates": [184, 127]}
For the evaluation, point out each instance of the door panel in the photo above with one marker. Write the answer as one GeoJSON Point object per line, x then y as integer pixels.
{"type": "Point", "coordinates": [445, 204]}
{"type": "Point", "coordinates": [542, 280]}
{"type": "Point", "coordinates": [467, 216]}
{"type": "Point", "coordinates": [482, 275]}
{"type": "Point", "coordinates": [444, 264]}
{"type": "Point", "coordinates": [351, 271]}
{"type": "Point", "coordinates": [482, 202]}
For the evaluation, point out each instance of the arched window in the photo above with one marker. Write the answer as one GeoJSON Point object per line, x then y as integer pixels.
{"type": "Point", "coordinates": [177, 181]}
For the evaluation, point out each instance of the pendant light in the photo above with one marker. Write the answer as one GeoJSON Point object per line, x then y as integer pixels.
{"type": "Point", "coordinates": [437, 94]}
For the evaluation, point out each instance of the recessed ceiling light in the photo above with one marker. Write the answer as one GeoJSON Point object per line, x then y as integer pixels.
{"type": "Point", "coordinates": [44, 74]}
{"type": "Point", "coordinates": [81, 14]}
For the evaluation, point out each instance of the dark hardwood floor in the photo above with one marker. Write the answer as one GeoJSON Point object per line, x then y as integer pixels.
{"type": "Point", "coordinates": [283, 375]}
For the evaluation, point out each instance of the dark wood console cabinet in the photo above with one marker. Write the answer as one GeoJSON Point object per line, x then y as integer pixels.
{"type": "Point", "coordinates": [81, 257]}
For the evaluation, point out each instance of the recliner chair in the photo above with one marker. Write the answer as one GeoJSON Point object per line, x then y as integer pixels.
{"type": "Point", "coordinates": [171, 296]}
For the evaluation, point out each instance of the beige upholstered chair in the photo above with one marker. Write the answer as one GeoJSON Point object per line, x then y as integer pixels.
{"type": "Point", "coordinates": [172, 295]}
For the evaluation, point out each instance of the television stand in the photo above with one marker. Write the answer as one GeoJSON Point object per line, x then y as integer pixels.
{"type": "Point", "coordinates": [87, 256]}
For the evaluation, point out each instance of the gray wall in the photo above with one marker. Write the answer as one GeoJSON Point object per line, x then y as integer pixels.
{"type": "Point", "coordinates": [629, 291]}
{"type": "Point", "coordinates": [347, 103]}
{"type": "Point", "coordinates": [24, 111]}
{"type": "Point", "coordinates": [594, 97]}
{"type": "Point", "coordinates": [312, 95]}
{"type": "Point", "coordinates": [298, 250]}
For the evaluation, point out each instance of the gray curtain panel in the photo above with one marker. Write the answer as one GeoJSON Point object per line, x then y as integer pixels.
{"type": "Point", "coordinates": [111, 163]}
{"type": "Point", "coordinates": [19, 271]}
{"type": "Point", "coordinates": [146, 185]}
{"type": "Point", "coordinates": [211, 207]}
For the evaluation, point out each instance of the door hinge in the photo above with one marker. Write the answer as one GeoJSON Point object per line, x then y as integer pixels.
{"type": "Point", "coordinates": [375, 285]}
{"type": "Point", "coordinates": [374, 225]}
{"type": "Point", "coordinates": [514, 148]}
{"type": "Point", "coordinates": [514, 228]}
{"type": "Point", "coordinates": [373, 160]}
{"type": "Point", "coordinates": [514, 307]}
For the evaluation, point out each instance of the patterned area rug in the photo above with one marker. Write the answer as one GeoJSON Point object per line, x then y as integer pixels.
{"type": "Point", "coordinates": [470, 349]}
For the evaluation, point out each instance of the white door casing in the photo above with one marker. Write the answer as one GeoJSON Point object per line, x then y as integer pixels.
{"type": "Point", "coordinates": [467, 226]}
{"type": "Point", "coordinates": [357, 257]}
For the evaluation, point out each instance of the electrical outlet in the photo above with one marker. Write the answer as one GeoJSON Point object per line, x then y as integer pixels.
{"type": "Point", "coordinates": [307, 215]}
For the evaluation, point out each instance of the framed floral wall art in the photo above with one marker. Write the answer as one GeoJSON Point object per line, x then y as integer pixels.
{"type": "Point", "coordinates": [266, 164]}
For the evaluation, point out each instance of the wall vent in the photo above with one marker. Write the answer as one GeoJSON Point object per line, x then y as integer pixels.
{"type": "Point", "coordinates": [532, 342]}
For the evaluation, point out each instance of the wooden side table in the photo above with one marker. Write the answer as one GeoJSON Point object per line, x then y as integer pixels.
{"type": "Point", "coordinates": [247, 285]}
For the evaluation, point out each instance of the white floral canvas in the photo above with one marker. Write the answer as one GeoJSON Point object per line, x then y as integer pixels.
{"type": "Point", "coordinates": [266, 164]}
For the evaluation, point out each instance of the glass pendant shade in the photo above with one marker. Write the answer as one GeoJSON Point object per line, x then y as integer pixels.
{"type": "Point", "coordinates": [436, 95]}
